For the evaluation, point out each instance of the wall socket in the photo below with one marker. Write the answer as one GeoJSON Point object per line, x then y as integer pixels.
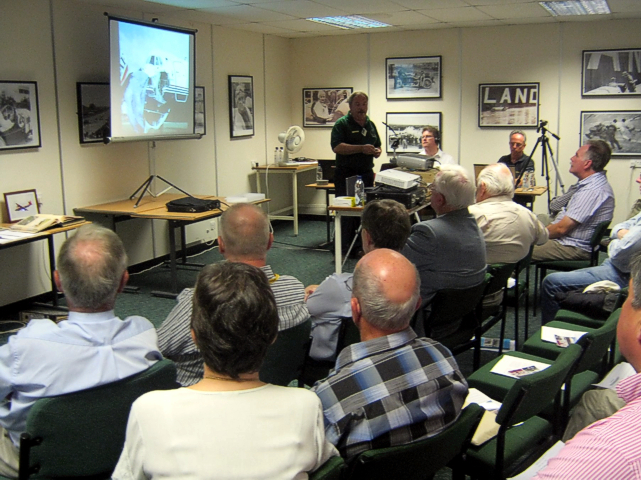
{"type": "Point", "coordinates": [635, 163]}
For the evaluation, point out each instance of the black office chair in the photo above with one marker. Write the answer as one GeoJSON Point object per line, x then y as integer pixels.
{"type": "Point", "coordinates": [285, 358]}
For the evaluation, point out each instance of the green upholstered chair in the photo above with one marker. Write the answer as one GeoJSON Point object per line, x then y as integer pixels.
{"type": "Point", "coordinates": [332, 469]}
{"type": "Point", "coordinates": [81, 434]}
{"type": "Point", "coordinates": [520, 291]}
{"type": "Point", "coordinates": [285, 358]}
{"type": "Point", "coordinates": [522, 434]}
{"type": "Point", "coordinates": [570, 265]}
{"type": "Point", "coordinates": [419, 460]}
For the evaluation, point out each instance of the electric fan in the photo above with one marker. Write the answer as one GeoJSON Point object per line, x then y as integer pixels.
{"type": "Point", "coordinates": [292, 140]}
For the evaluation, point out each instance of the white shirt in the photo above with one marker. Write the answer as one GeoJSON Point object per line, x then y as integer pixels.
{"type": "Point", "coordinates": [444, 158]}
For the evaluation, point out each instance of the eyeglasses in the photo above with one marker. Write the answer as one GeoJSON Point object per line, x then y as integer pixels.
{"type": "Point", "coordinates": [427, 136]}
{"type": "Point", "coordinates": [516, 144]}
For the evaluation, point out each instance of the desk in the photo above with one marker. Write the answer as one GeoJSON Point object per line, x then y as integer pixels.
{"type": "Point", "coordinates": [294, 171]}
{"type": "Point", "coordinates": [353, 212]}
{"type": "Point", "coordinates": [531, 194]}
{"type": "Point", "coordinates": [48, 236]}
{"type": "Point", "coordinates": [329, 189]}
{"type": "Point", "coordinates": [154, 209]}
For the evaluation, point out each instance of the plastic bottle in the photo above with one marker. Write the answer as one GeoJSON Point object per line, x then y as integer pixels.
{"type": "Point", "coordinates": [359, 192]}
{"type": "Point", "coordinates": [276, 156]}
{"type": "Point", "coordinates": [532, 180]}
{"type": "Point", "coordinates": [280, 155]}
{"type": "Point", "coordinates": [319, 173]}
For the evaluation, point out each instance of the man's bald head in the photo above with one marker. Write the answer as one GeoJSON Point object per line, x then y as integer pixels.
{"type": "Point", "coordinates": [244, 230]}
{"type": "Point", "coordinates": [387, 287]}
{"type": "Point", "coordinates": [493, 181]}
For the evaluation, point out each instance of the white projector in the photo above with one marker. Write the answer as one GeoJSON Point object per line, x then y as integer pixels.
{"type": "Point", "coordinates": [398, 179]}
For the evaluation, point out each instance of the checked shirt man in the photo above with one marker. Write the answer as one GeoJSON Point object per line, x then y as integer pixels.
{"type": "Point", "coordinates": [391, 388]}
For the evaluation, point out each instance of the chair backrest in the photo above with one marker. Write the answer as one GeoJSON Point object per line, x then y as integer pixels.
{"type": "Point", "coordinates": [328, 167]}
{"type": "Point", "coordinates": [500, 274]}
{"type": "Point", "coordinates": [448, 307]}
{"type": "Point", "coordinates": [420, 459]}
{"type": "Point", "coordinates": [286, 356]}
{"type": "Point", "coordinates": [81, 434]}
{"type": "Point", "coordinates": [332, 469]}
{"type": "Point", "coordinates": [595, 240]}
{"type": "Point", "coordinates": [348, 334]}
{"type": "Point", "coordinates": [596, 344]}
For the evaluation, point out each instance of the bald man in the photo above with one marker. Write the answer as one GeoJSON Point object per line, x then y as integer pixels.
{"type": "Point", "coordinates": [391, 388]}
{"type": "Point", "coordinates": [244, 238]}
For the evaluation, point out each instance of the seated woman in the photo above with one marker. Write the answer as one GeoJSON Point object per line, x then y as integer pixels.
{"type": "Point", "coordinates": [230, 425]}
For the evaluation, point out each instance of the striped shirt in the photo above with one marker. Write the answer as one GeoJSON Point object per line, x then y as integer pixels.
{"type": "Point", "coordinates": [174, 335]}
{"type": "Point", "coordinates": [390, 391]}
{"type": "Point", "coordinates": [609, 448]}
{"type": "Point", "coordinates": [591, 204]}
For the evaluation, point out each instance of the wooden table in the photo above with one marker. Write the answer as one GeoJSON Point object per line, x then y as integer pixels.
{"type": "Point", "coordinates": [48, 236]}
{"type": "Point", "coordinates": [294, 171]}
{"type": "Point", "coordinates": [532, 193]}
{"type": "Point", "coordinates": [329, 189]}
{"type": "Point", "coordinates": [340, 212]}
{"type": "Point", "coordinates": [154, 208]}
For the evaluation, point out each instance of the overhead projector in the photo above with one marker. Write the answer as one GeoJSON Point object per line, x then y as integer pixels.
{"type": "Point", "coordinates": [398, 179]}
{"type": "Point", "coordinates": [413, 161]}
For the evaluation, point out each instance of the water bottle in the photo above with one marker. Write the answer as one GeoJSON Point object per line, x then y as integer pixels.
{"type": "Point", "coordinates": [525, 181]}
{"type": "Point", "coordinates": [532, 180]}
{"type": "Point", "coordinates": [276, 156]}
{"type": "Point", "coordinates": [359, 192]}
{"type": "Point", "coordinates": [319, 173]}
{"type": "Point", "coordinates": [280, 155]}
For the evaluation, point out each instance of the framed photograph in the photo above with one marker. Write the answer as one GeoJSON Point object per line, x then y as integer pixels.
{"type": "Point", "coordinates": [199, 110]}
{"type": "Point", "coordinates": [508, 105]}
{"type": "Point", "coordinates": [323, 106]}
{"type": "Point", "coordinates": [19, 115]}
{"type": "Point", "coordinates": [413, 77]}
{"type": "Point", "coordinates": [94, 114]}
{"type": "Point", "coordinates": [607, 73]}
{"type": "Point", "coordinates": [21, 204]}
{"type": "Point", "coordinates": [241, 106]}
{"type": "Point", "coordinates": [407, 128]}
{"type": "Point", "coordinates": [620, 129]}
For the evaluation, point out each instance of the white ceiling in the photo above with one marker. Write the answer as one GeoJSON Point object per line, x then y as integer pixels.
{"type": "Point", "coordinates": [286, 18]}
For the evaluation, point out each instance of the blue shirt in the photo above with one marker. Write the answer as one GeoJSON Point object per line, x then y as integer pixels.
{"type": "Point", "coordinates": [591, 204]}
{"type": "Point", "coordinates": [45, 359]}
{"type": "Point", "coordinates": [390, 391]}
{"type": "Point", "coordinates": [622, 250]}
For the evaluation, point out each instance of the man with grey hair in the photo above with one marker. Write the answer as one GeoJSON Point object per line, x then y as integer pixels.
{"type": "Point", "coordinates": [392, 388]}
{"type": "Point", "coordinates": [509, 229]}
{"type": "Point", "coordinates": [92, 347]}
{"type": "Point", "coordinates": [517, 159]}
{"type": "Point", "coordinates": [448, 251]}
{"type": "Point", "coordinates": [244, 238]}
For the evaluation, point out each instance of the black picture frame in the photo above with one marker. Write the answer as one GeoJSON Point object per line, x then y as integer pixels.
{"type": "Point", "coordinates": [509, 104]}
{"type": "Point", "coordinates": [200, 117]}
{"type": "Point", "coordinates": [621, 129]}
{"type": "Point", "coordinates": [611, 73]}
{"type": "Point", "coordinates": [19, 107]}
{"type": "Point", "coordinates": [413, 77]}
{"type": "Point", "coordinates": [408, 128]}
{"type": "Point", "coordinates": [94, 111]}
{"type": "Point", "coordinates": [241, 115]}
{"type": "Point", "coordinates": [335, 106]}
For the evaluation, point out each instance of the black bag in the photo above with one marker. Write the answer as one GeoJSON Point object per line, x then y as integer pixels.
{"type": "Point", "coordinates": [192, 205]}
{"type": "Point", "coordinates": [595, 305]}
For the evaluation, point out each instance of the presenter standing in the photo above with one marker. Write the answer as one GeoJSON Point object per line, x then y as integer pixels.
{"type": "Point", "coordinates": [356, 143]}
{"type": "Point", "coordinates": [431, 142]}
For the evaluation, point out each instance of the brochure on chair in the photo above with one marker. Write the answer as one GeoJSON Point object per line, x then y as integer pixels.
{"type": "Point", "coordinates": [43, 221]}
{"type": "Point", "coordinates": [516, 367]}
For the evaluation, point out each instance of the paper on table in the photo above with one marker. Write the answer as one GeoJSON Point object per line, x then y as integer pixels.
{"type": "Point", "coordinates": [540, 464]}
{"type": "Point", "coordinates": [7, 236]}
{"type": "Point", "coordinates": [549, 334]}
{"type": "Point", "coordinates": [618, 373]}
{"type": "Point", "coordinates": [515, 367]}
{"type": "Point", "coordinates": [476, 396]}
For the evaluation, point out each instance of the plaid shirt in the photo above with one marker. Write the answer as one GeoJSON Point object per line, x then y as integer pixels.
{"type": "Point", "coordinates": [390, 391]}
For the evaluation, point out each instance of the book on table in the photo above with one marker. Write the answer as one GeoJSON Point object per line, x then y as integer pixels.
{"type": "Point", "coordinates": [43, 221]}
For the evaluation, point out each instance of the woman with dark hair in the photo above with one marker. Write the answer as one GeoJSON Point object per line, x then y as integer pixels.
{"type": "Point", "coordinates": [230, 425]}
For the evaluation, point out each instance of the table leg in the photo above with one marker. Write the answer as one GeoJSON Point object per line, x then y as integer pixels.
{"type": "Point", "coordinates": [338, 257]}
{"type": "Point", "coordinates": [52, 268]}
{"type": "Point", "coordinates": [327, 214]}
{"type": "Point", "coordinates": [173, 270]}
{"type": "Point", "coordinates": [295, 197]}
{"type": "Point", "coordinates": [183, 243]}
{"type": "Point", "coordinates": [258, 181]}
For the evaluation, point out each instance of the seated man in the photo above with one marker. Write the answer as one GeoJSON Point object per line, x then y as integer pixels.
{"type": "Point", "coordinates": [245, 238]}
{"type": "Point", "coordinates": [431, 143]}
{"type": "Point", "coordinates": [392, 388]}
{"type": "Point", "coordinates": [610, 448]}
{"type": "Point", "coordinates": [509, 229]}
{"type": "Point", "coordinates": [449, 250]}
{"type": "Point", "coordinates": [385, 224]}
{"type": "Point", "coordinates": [93, 347]}
{"type": "Point", "coordinates": [586, 204]}
{"type": "Point", "coordinates": [626, 242]}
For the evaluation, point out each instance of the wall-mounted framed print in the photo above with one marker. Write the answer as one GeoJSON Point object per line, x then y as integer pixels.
{"type": "Point", "coordinates": [609, 73]}
{"type": "Point", "coordinates": [407, 129]}
{"type": "Point", "coordinates": [413, 77]}
{"type": "Point", "coordinates": [508, 104]}
{"type": "Point", "coordinates": [19, 115]}
{"type": "Point", "coordinates": [241, 106]}
{"type": "Point", "coordinates": [199, 110]}
{"type": "Point", "coordinates": [21, 204]}
{"type": "Point", "coordinates": [323, 106]}
{"type": "Point", "coordinates": [94, 113]}
{"type": "Point", "coordinates": [620, 129]}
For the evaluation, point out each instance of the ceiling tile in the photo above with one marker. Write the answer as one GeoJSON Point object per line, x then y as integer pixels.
{"type": "Point", "coordinates": [404, 18]}
{"type": "Point", "coordinates": [302, 9]}
{"type": "Point", "coordinates": [425, 4]}
{"type": "Point", "coordinates": [361, 7]}
{"type": "Point", "coordinates": [248, 13]}
{"type": "Point", "coordinates": [462, 14]}
{"type": "Point", "coordinates": [622, 6]}
{"type": "Point", "coordinates": [194, 4]}
{"type": "Point", "coordinates": [528, 10]}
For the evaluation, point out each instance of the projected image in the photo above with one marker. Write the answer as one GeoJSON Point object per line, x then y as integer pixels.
{"type": "Point", "coordinates": [153, 97]}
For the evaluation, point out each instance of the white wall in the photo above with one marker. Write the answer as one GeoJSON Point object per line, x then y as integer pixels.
{"type": "Point", "coordinates": [67, 174]}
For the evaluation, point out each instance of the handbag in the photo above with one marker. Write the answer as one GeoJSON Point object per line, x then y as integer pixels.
{"type": "Point", "coordinates": [192, 205]}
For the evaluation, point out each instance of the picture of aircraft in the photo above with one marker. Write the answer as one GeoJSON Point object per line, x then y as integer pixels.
{"type": "Point", "coordinates": [20, 208]}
